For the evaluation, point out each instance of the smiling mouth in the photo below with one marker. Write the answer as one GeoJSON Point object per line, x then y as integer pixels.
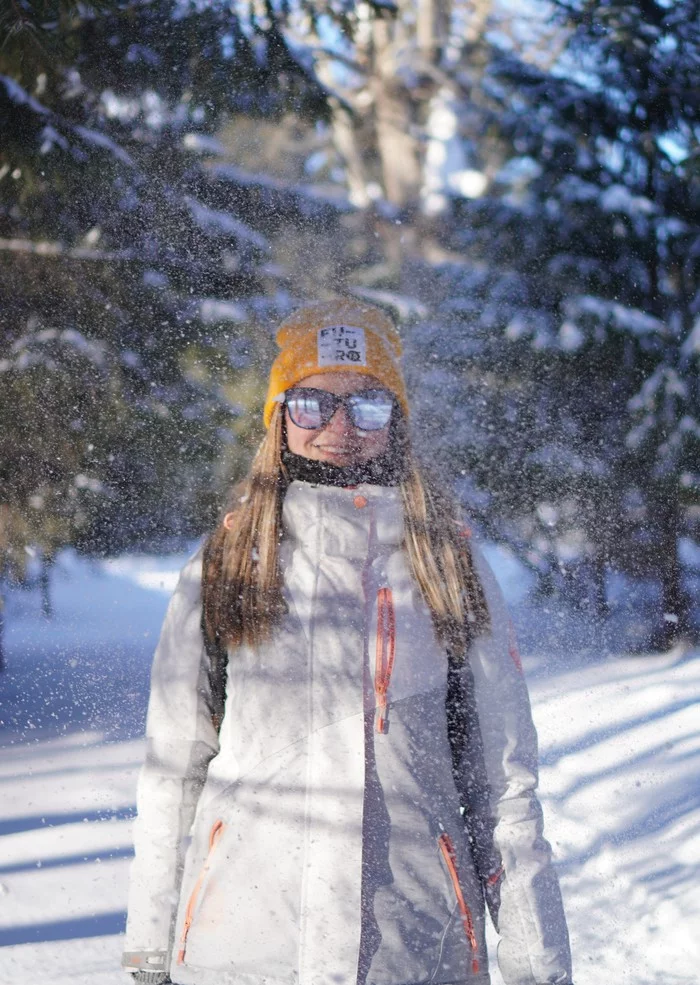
{"type": "Point", "coordinates": [335, 450]}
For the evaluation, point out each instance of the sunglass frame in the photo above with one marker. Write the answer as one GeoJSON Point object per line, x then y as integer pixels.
{"type": "Point", "coordinates": [333, 401]}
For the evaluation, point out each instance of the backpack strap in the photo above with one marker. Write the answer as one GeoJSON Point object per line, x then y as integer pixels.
{"type": "Point", "coordinates": [468, 764]}
{"type": "Point", "coordinates": [217, 652]}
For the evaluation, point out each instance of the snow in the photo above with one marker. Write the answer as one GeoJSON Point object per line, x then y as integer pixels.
{"type": "Point", "coordinates": [106, 143]}
{"type": "Point", "coordinates": [691, 346]}
{"type": "Point", "coordinates": [20, 96]}
{"type": "Point", "coordinates": [203, 143]}
{"type": "Point", "coordinates": [585, 308]}
{"type": "Point", "coordinates": [622, 781]}
{"type": "Point", "coordinates": [403, 305]}
{"type": "Point", "coordinates": [620, 755]}
{"type": "Point", "coordinates": [35, 349]}
{"type": "Point", "coordinates": [571, 338]}
{"type": "Point", "coordinates": [689, 553]}
{"type": "Point", "coordinates": [575, 189]}
{"type": "Point", "coordinates": [518, 171]}
{"type": "Point", "coordinates": [617, 198]}
{"type": "Point", "coordinates": [309, 198]}
{"type": "Point", "coordinates": [220, 223]}
{"type": "Point", "coordinates": [212, 310]}
{"type": "Point", "coordinates": [445, 170]}
{"type": "Point", "coordinates": [50, 136]}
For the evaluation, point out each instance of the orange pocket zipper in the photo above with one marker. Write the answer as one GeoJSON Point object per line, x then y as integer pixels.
{"type": "Point", "coordinates": [214, 836]}
{"type": "Point", "coordinates": [385, 653]}
{"type": "Point", "coordinates": [448, 853]}
{"type": "Point", "coordinates": [495, 876]}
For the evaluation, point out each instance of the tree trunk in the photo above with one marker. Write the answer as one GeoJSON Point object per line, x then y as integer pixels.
{"type": "Point", "coordinates": [2, 632]}
{"type": "Point", "coordinates": [600, 595]}
{"type": "Point", "coordinates": [674, 623]}
{"type": "Point", "coordinates": [346, 143]}
{"type": "Point", "coordinates": [395, 135]}
{"type": "Point", "coordinates": [403, 61]}
{"type": "Point", "coordinates": [432, 27]}
{"type": "Point", "coordinates": [45, 586]}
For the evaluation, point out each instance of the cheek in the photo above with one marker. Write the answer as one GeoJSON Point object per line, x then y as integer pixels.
{"type": "Point", "coordinates": [375, 443]}
{"type": "Point", "coordinates": [298, 438]}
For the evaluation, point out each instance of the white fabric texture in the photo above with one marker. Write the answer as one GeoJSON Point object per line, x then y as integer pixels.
{"type": "Point", "coordinates": [302, 844]}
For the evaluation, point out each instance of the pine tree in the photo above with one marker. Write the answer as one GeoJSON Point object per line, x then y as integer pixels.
{"type": "Point", "coordinates": [131, 312]}
{"type": "Point", "coordinates": [118, 284]}
{"type": "Point", "coordinates": [578, 309]}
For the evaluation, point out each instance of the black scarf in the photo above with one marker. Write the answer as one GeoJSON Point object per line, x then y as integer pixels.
{"type": "Point", "coordinates": [384, 470]}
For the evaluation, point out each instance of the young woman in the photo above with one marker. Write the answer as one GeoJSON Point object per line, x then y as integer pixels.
{"type": "Point", "coordinates": [341, 763]}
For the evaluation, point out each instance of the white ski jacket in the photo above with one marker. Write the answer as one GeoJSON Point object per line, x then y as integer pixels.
{"type": "Point", "coordinates": [319, 838]}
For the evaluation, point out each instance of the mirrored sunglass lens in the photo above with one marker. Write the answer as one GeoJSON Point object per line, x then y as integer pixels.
{"type": "Point", "coordinates": [305, 410]}
{"type": "Point", "coordinates": [370, 412]}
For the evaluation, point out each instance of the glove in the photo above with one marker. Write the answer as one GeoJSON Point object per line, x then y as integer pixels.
{"type": "Point", "coordinates": [151, 977]}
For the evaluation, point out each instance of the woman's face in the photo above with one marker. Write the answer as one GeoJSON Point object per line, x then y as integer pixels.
{"type": "Point", "coordinates": [339, 442]}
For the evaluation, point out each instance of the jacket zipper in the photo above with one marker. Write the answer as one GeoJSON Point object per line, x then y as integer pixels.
{"type": "Point", "coordinates": [448, 853]}
{"type": "Point", "coordinates": [385, 653]}
{"type": "Point", "coordinates": [214, 836]}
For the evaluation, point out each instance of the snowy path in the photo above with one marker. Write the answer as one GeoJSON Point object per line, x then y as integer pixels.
{"type": "Point", "coordinates": [620, 751]}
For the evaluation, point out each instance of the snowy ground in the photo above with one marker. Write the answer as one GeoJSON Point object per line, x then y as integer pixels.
{"type": "Point", "coordinates": [620, 752]}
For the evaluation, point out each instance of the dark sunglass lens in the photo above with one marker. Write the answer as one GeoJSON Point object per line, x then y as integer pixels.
{"type": "Point", "coordinates": [371, 410]}
{"type": "Point", "coordinates": [305, 410]}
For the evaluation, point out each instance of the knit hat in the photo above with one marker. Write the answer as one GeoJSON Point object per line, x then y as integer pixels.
{"type": "Point", "coordinates": [334, 337]}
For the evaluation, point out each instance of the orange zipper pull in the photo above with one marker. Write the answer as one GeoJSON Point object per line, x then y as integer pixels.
{"type": "Point", "coordinates": [385, 654]}
{"type": "Point", "coordinates": [495, 876]}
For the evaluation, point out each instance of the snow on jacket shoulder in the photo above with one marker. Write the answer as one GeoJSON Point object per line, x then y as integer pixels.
{"type": "Point", "coordinates": [320, 837]}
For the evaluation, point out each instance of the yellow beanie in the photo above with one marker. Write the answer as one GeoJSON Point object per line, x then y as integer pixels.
{"type": "Point", "coordinates": [335, 337]}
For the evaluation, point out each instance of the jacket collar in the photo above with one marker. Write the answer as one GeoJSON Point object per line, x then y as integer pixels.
{"type": "Point", "coordinates": [346, 522]}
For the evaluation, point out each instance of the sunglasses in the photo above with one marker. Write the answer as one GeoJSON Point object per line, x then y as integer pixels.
{"type": "Point", "coordinates": [368, 410]}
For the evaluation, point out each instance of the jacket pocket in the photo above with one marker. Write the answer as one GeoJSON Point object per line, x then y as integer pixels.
{"type": "Point", "coordinates": [214, 835]}
{"type": "Point", "coordinates": [385, 654]}
{"type": "Point", "coordinates": [447, 850]}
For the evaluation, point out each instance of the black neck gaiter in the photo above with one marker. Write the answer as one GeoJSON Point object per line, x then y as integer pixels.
{"type": "Point", "coordinates": [381, 471]}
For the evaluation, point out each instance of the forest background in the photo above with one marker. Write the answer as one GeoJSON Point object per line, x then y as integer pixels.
{"type": "Point", "coordinates": [518, 184]}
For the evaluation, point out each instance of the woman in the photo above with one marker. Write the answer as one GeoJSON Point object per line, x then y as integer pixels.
{"type": "Point", "coordinates": [341, 762]}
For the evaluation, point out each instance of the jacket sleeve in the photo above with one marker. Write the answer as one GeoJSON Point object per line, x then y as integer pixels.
{"type": "Point", "coordinates": [511, 853]}
{"type": "Point", "coordinates": [180, 742]}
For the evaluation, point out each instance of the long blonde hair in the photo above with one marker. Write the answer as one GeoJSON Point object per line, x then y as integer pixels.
{"type": "Point", "coordinates": [242, 583]}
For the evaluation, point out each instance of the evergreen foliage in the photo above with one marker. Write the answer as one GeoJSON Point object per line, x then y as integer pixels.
{"type": "Point", "coordinates": [119, 287]}
{"type": "Point", "coordinates": [530, 211]}
{"type": "Point", "coordinates": [578, 311]}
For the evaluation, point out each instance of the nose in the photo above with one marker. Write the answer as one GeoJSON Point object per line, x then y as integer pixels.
{"type": "Point", "coordinates": [340, 423]}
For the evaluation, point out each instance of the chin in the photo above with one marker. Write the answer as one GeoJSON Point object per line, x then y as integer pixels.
{"type": "Point", "coordinates": [343, 458]}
